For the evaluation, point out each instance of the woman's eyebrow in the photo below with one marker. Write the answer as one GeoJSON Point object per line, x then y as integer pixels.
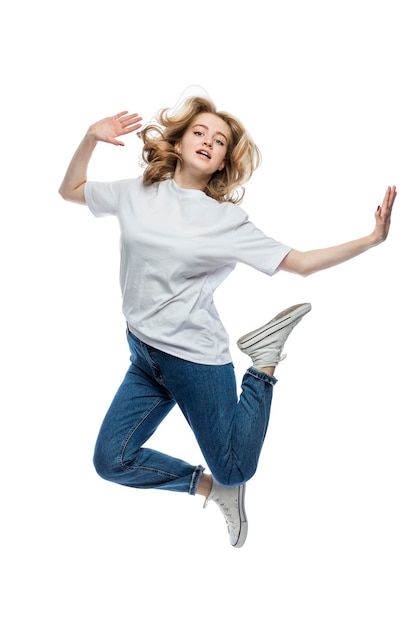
{"type": "Point", "coordinates": [218, 132]}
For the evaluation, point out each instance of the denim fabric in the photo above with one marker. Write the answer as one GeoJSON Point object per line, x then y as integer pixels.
{"type": "Point", "coordinates": [229, 430]}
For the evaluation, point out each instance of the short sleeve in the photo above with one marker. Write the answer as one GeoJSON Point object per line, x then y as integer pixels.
{"type": "Point", "coordinates": [103, 198]}
{"type": "Point", "coordinates": [254, 248]}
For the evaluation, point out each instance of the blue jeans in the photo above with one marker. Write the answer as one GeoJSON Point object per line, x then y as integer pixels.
{"type": "Point", "coordinates": [229, 430]}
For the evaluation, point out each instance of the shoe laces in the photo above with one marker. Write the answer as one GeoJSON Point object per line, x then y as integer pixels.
{"type": "Point", "coordinates": [228, 513]}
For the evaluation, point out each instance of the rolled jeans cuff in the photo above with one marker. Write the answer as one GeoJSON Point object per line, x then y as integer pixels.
{"type": "Point", "coordinates": [262, 376]}
{"type": "Point", "coordinates": [195, 479]}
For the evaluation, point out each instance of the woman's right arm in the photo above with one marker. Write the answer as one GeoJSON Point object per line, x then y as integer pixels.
{"type": "Point", "coordinates": [107, 130]}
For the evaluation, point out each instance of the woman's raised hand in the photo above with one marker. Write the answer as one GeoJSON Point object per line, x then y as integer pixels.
{"type": "Point", "coordinates": [109, 128]}
{"type": "Point", "coordinates": [383, 214]}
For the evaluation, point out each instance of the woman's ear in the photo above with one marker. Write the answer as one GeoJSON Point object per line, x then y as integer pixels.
{"type": "Point", "coordinates": [177, 147]}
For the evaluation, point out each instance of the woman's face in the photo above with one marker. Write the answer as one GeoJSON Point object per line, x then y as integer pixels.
{"type": "Point", "coordinates": [204, 144]}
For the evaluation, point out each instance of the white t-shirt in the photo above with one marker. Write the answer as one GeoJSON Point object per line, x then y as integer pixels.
{"type": "Point", "coordinates": [177, 246]}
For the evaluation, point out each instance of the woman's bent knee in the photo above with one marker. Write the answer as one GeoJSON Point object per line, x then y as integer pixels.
{"type": "Point", "coordinates": [103, 470]}
{"type": "Point", "coordinates": [104, 467]}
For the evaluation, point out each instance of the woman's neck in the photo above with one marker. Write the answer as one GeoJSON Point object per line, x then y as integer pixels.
{"type": "Point", "coordinates": [186, 180]}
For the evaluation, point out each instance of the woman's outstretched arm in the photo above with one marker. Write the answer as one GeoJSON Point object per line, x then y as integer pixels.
{"type": "Point", "coordinates": [107, 130]}
{"type": "Point", "coordinates": [311, 261]}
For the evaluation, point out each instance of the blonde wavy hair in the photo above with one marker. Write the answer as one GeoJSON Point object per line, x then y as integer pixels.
{"type": "Point", "coordinates": [160, 158]}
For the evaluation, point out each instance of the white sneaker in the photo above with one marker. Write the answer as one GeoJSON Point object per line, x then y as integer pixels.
{"type": "Point", "coordinates": [264, 345]}
{"type": "Point", "coordinates": [231, 501]}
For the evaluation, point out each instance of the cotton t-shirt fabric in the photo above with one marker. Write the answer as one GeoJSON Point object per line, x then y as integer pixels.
{"type": "Point", "coordinates": [177, 246]}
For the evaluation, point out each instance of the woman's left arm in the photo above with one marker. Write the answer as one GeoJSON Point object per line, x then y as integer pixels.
{"type": "Point", "coordinates": [311, 261]}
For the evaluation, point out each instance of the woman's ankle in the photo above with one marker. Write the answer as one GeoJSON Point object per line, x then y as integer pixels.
{"type": "Point", "coordinates": [205, 485]}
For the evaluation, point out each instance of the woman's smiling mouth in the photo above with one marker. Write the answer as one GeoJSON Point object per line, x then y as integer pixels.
{"type": "Point", "coordinates": [204, 153]}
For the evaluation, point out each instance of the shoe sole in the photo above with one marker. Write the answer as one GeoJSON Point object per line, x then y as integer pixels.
{"type": "Point", "coordinates": [285, 318]}
{"type": "Point", "coordinates": [243, 519]}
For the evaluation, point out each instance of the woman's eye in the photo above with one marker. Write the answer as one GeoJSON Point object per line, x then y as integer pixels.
{"type": "Point", "coordinates": [198, 133]}
{"type": "Point", "coordinates": [219, 142]}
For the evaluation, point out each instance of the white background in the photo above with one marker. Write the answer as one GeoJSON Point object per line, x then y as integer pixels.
{"type": "Point", "coordinates": [327, 90]}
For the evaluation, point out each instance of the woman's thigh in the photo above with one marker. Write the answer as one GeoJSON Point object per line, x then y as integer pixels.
{"type": "Point", "coordinates": [137, 409]}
